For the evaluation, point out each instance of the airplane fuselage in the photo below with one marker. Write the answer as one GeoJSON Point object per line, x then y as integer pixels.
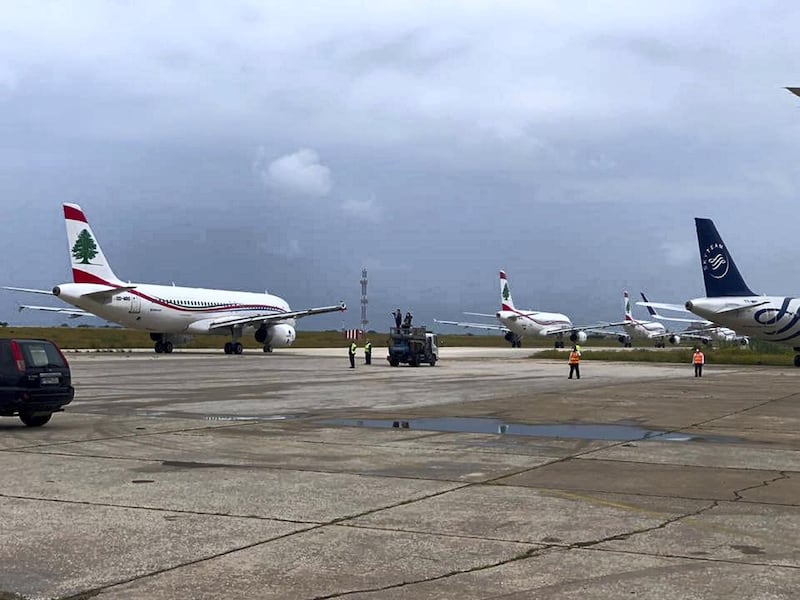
{"type": "Point", "coordinates": [770, 318]}
{"type": "Point", "coordinates": [522, 322]}
{"type": "Point", "coordinates": [169, 309]}
{"type": "Point", "coordinates": [644, 329]}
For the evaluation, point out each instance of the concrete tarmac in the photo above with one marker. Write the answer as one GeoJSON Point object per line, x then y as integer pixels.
{"type": "Point", "coordinates": [200, 475]}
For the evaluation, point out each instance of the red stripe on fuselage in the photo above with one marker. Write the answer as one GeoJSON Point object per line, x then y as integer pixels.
{"type": "Point", "coordinates": [84, 277]}
{"type": "Point", "coordinates": [74, 214]}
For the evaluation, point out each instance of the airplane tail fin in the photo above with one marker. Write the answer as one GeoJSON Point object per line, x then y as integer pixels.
{"type": "Point", "coordinates": [720, 274]}
{"type": "Point", "coordinates": [89, 264]}
{"type": "Point", "coordinates": [650, 309]}
{"type": "Point", "coordinates": [506, 303]}
{"type": "Point", "coordinates": [626, 303]}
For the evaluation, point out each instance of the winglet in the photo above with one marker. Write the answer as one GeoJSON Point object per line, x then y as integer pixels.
{"type": "Point", "coordinates": [650, 309]}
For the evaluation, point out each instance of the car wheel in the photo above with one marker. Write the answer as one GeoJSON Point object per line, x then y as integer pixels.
{"type": "Point", "coordinates": [34, 420]}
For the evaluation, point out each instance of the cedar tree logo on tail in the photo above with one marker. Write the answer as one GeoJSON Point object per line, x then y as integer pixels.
{"type": "Point", "coordinates": [84, 248]}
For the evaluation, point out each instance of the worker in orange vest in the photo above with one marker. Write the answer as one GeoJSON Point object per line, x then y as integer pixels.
{"type": "Point", "coordinates": [575, 362]}
{"type": "Point", "coordinates": [698, 360]}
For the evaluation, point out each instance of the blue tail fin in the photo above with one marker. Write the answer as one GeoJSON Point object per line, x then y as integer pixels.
{"type": "Point", "coordinates": [650, 309]}
{"type": "Point", "coordinates": [720, 274]}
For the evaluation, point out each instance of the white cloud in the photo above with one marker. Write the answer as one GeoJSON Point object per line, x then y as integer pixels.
{"type": "Point", "coordinates": [297, 175]}
{"type": "Point", "coordinates": [363, 209]}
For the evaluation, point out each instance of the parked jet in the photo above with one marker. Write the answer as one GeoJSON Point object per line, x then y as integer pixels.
{"type": "Point", "coordinates": [730, 302]}
{"type": "Point", "coordinates": [643, 330]}
{"type": "Point", "coordinates": [169, 313]}
{"type": "Point", "coordinates": [520, 323]}
{"type": "Point", "coordinates": [710, 331]}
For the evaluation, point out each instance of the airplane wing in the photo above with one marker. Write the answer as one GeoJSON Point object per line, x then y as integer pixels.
{"type": "Point", "coordinates": [72, 312]}
{"type": "Point", "coordinates": [265, 318]}
{"type": "Point", "coordinates": [474, 314]}
{"type": "Point", "coordinates": [486, 326]}
{"type": "Point", "coordinates": [597, 328]}
{"type": "Point", "coordinates": [29, 290]}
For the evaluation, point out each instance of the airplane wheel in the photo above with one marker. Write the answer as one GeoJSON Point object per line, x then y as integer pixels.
{"type": "Point", "coordinates": [168, 347]}
{"type": "Point", "coordinates": [228, 347]}
{"type": "Point", "coordinates": [159, 347]}
{"type": "Point", "coordinates": [797, 360]}
{"type": "Point", "coordinates": [238, 348]}
{"type": "Point", "coordinates": [267, 348]}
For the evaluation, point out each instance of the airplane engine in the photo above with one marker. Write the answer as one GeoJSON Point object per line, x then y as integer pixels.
{"type": "Point", "coordinates": [578, 336]}
{"type": "Point", "coordinates": [675, 339]}
{"type": "Point", "coordinates": [277, 336]}
{"type": "Point", "coordinates": [623, 339]}
{"type": "Point", "coordinates": [744, 341]}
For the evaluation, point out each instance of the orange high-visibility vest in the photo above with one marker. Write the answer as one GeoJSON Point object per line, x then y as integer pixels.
{"type": "Point", "coordinates": [574, 357]}
{"type": "Point", "coordinates": [699, 359]}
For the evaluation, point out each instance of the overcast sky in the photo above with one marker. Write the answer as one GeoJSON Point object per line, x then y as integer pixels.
{"type": "Point", "coordinates": [286, 145]}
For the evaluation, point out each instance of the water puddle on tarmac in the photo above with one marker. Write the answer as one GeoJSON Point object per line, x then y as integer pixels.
{"type": "Point", "coordinates": [583, 431]}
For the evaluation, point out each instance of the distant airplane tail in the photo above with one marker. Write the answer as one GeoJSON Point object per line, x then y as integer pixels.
{"type": "Point", "coordinates": [721, 276]}
{"type": "Point", "coordinates": [626, 303]}
{"type": "Point", "coordinates": [89, 264]}
{"type": "Point", "coordinates": [650, 309]}
{"type": "Point", "coordinates": [506, 303]}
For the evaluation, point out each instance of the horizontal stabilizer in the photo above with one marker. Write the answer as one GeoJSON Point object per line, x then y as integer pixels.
{"type": "Point", "coordinates": [103, 294]}
{"type": "Point", "coordinates": [28, 290]}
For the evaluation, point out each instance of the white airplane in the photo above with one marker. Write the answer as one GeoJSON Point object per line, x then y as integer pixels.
{"type": "Point", "coordinates": [730, 302]}
{"type": "Point", "coordinates": [171, 314]}
{"type": "Point", "coordinates": [520, 323]}
{"type": "Point", "coordinates": [710, 331]}
{"type": "Point", "coordinates": [643, 330]}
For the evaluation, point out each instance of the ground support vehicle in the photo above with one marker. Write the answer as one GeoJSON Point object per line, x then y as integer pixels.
{"type": "Point", "coordinates": [35, 380]}
{"type": "Point", "coordinates": [412, 346]}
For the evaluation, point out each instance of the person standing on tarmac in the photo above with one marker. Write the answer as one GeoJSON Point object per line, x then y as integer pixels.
{"type": "Point", "coordinates": [698, 360]}
{"type": "Point", "coordinates": [352, 354]}
{"type": "Point", "coordinates": [575, 363]}
{"type": "Point", "coordinates": [368, 353]}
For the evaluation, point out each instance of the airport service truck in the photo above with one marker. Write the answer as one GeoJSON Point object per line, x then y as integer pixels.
{"type": "Point", "coordinates": [412, 346]}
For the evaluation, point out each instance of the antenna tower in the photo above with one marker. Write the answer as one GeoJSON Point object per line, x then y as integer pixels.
{"type": "Point", "coordinates": [364, 300]}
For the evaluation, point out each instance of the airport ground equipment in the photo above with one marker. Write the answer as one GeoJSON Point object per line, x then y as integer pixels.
{"type": "Point", "coordinates": [412, 346]}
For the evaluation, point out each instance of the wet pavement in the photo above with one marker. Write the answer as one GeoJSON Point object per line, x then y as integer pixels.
{"type": "Point", "coordinates": [200, 475]}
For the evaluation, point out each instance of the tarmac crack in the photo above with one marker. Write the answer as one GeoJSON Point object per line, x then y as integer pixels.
{"type": "Point", "coordinates": [738, 493]}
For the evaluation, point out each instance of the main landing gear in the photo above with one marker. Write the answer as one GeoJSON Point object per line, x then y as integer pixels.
{"type": "Point", "coordinates": [163, 347]}
{"type": "Point", "coordinates": [233, 348]}
{"type": "Point", "coordinates": [797, 357]}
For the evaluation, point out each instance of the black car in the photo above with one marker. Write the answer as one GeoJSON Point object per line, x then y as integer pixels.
{"type": "Point", "coordinates": [35, 380]}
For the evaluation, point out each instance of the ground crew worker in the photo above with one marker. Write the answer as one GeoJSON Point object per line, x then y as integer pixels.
{"type": "Point", "coordinates": [352, 354]}
{"type": "Point", "coordinates": [368, 353]}
{"type": "Point", "coordinates": [698, 360]}
{"type": "Point", "coordinates": [575, 362]}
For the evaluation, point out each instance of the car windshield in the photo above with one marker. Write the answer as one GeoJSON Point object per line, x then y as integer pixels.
{"type": "Point", "coordinates": [41, 354]}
